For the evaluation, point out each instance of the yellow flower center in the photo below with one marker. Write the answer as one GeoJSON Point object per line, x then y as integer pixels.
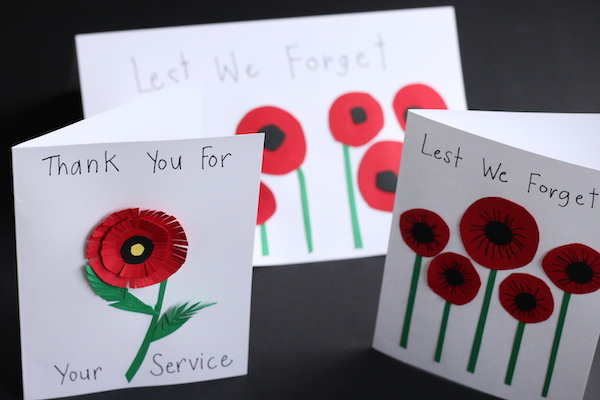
{"type": "Point", "coordinates": [137, 249]}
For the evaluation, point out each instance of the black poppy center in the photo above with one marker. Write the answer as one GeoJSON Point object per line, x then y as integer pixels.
{"type": "Point", "coordinates": [580, 272]}
{"type": "Point", "coordinates": [454, 277]}
{"type": "Point", "coordinates": [358, 114]}
{"type": "Point", "coordinates": [386, 181]}
{"type": "Point", "coordinates": [525, 301]}
{"type": "Point", "coordinates": [422, 232]}
{"type": "Point", "coordinates": [498, 233]}
{"type": "Point", "coordinates": [274, 136]}
{"type": "Point", "coordinates": [137, 249]}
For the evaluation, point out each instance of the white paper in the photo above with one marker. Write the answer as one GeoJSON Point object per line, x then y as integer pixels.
{"type": "Point", "coordinates": [67, 182]}
{"type": "Point", "coordinates": [301, 65]}
{"type": "Point", "coordinates": [481, 155]}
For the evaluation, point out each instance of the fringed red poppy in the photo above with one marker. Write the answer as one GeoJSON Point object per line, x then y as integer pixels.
{"type": "Point", "coordinates": [424, 231]}
{"type": "Point", "coordinates": [285, 145]}
{"type": "Point", "coordinates": [355, 118]}
{"type": "Point", "coordinates": [266, 204]}
{"type": "Point", "coordinates": [499, 234]}
{"type": "Point", "coordinates": [526, 297]}
{"type": "Point", "coordinates": [416, 95]}
{"type": "Point", "coordinates": [378, 174]}
{"type": "Point", "coordinates": [453, 277]}
{"type": "Point", "coordinates": [134, 248]}
{"type": "Point", "coordinates": [574, 268]}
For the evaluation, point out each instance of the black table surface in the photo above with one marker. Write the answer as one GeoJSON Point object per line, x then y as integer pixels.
{"type": "Point", "coordinates": [311, 325]}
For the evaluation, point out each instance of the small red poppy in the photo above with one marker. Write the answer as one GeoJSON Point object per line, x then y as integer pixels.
{"type": "Point", "coordinates": [574, 268]}
{"type": "Point", "coordinates": [424, 231]}
{"type": "Point", "coordinates": [416, 95]}
{"type": "Point", "coordinates": [355, 118]}
{"type": "Point", "coordinates": [378, 174]}
{"type": "Point", "coordinates": [266, 204]}
{"type": "Point", "coordinates": [453, 277]}
{"type": "Point", "coordinates": [526, 297]}
{"type": "Point", "coordinates": [499, 234]}
{"type": "Point", "coordinates": [285, 145]}
{"type": "Point", "coordinates": [137, 248]}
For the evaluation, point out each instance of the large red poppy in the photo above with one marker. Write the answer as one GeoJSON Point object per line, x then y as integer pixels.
{"type": "Point", "coordinates": [266, 204]}
{"type": "Point", "coordinates": [285, 145]}
{"type": "Point", "coordinates": [574, 268]}
{"type": "Point", "coordinates": [499, 234]}
{"type": "Point", "coordinates": [416, 95]}
{"type": "Point", "coordinates": [137, 248]}
{"type": "Point", "coordinates": [526, 297]}
{"type": "Point", "coordinates": [453, 277]}
{"type": "Point", "coordinates": [378, 174]}
{"type": "Point", "coordinates": [424, 231]}
{"type": "Point", "coordinates": [355, 118]}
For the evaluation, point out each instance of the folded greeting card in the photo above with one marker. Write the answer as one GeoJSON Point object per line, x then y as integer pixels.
{"type": "Point", "coordinates": [493, 268]}
{"type": "Point", "coordinates": [134, 249]}
{"type": "Point", "coordinates": [329, 92]}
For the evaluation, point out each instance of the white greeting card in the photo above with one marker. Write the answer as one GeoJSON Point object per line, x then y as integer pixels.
{"type": "Point", "coordinates": [134, 249]}
{"type": "Point", "coordinates": [330, 93]}
{"type": "Point", "coordinates": [493, 268]}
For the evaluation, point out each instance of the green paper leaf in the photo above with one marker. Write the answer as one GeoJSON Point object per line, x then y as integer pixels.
{"type": "Point", "coordinates": [120, 297]}
{"type": "Point", "coordinates": [175, 317]}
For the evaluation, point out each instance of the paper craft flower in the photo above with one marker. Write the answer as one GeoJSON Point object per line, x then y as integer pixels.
{"type": "Point", "coordinates": [424, 231]}
{"type": "Point", "coordinates": [378, 174]}
{"type": "Point", "coordinates": [426, 234]}
{"type": "Point", "coordinates": [452, 277]}
{"type": "Point", "coordinates": [134, 248]}
{"type": "Point", "coordinates": [575, 269]}
{"type": "Point", "coordinates": [498, 234]}
{"type": "Point", "coordinates": [529, 300]}
{"type": "Point", "coordinates": [266, 208]}
{"type": "Point", "coordinates": [416, 95]}
{"type": "Point", "coordinates": [284, 152]}
{"type": "Point", "coordinates": [354, 119]}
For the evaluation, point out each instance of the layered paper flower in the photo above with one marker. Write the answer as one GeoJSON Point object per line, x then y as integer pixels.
{"type": "Point", "coordinates": [575, 269]}
{"type": "Point", "coordinates": [529, 300]}
{"type": "Point", "coordinates": [426, 234]}
{"type": "Point", "coordinates": [378, 174]}
{"type": "Point", "coordinates": [417, 95]}
{"type": "Point", "coordinates": [266, 208]}
{"type": "Point", "coordinates": [452, 277]}
{"type": "Point", "coordinates": [133, 248]}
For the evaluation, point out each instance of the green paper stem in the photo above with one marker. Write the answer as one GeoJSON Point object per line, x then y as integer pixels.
{"type": "Point", "coordinates": [481, 324]}
{"type": "Point", "coordinates": [442, 335]}
{"type": "Point", "coordinates": [510, 371]}
{"type": "Point", "coordinates": [264, 240]}
{"type": "Point", "coordinates": [305, 212]}
{"type": "Point", "coordinates": [351, 199]}
{"type": "Point", "coordinates": [141, 354]}
{"type": "Point", "coordinates": [558, 333]}
{"type": "Point", "coordinates": [411, 301]}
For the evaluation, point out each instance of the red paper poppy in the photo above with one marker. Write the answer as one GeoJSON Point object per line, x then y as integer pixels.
{"type": "Point", "coordinates": [526, 298]}
{"type": "Point", "coordinates": [416, 96]}
{"type": "Point", "coordinates": [499, 234]}
{"type": "Point", "coordinates": [355, 118]}
{"type": "Point", "coordinates": [575, 268]}
{"type": "Point", "coordinates": [378, 174]}
{"type": "Point", "coordinates": [266, 204]}
{"type": "Point", "coordinates": [137, 248]}
{"type": "Point", "coordinates": [285, 145]}
{"type": "Point", "coordinates": [424, 231]}
{"type": "Point", "coordinates": [453, 277]}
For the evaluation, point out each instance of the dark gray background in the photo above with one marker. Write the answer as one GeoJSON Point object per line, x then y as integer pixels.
{"type": "Point", "coordinates": [311, 325]}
